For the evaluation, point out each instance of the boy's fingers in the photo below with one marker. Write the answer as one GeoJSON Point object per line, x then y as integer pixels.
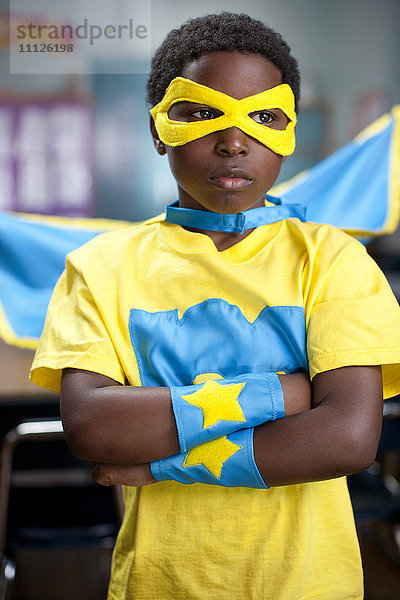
{"type": "Point", "coordinates": [136, 475]}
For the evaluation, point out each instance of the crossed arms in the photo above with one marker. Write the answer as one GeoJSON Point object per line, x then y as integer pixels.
{"type": "Point", "coordinates": [331, 428]}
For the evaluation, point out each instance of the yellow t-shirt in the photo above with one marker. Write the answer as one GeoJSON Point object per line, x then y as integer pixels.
{"type": "Point", "coordinates": [158, 305]}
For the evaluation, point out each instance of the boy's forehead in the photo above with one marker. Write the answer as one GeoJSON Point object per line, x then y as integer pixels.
{"type": "Point", "coordinates": [234, 73]}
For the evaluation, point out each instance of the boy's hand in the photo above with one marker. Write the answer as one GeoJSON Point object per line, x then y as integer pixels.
{"type": "Point", "coordinates": [135, 475]}
{"type": "Point", "coordinates": [297, 391]}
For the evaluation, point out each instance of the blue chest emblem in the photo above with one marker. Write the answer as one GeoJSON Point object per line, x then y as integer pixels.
{"type": "Point", "coordinates": [215, 337]}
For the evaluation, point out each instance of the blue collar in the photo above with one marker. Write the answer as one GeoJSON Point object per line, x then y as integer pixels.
{"type": "Point", "coordinates": [238, 222]}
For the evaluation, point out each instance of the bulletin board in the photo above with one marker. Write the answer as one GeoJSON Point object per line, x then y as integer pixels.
{"type": "Point", "coordinates": [46, 156]}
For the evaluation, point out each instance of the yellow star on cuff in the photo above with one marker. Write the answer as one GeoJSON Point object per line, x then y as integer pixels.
{"type": "Point", "coordinates": [218, 402]}
{"type": "Point", "coordinates": [211, 455]}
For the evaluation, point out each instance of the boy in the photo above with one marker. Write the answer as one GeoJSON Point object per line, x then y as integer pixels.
{"type": "Point", "coordinates": [169, 336]}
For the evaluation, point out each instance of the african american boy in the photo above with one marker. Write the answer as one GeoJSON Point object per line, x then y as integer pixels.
{"type": "Point", "coordinates": [185, 347]}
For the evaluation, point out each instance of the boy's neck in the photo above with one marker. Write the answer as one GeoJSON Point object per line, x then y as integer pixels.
{"type": "Point", "coordinates": [222, 239]}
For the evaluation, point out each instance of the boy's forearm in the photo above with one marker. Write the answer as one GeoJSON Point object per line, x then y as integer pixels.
{"type": "Point", "coordinates": [106, 422]}
{"type": "Point", "coordinates": [339, 437]}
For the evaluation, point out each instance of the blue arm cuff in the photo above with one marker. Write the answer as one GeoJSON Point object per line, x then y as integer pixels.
{"type": "Point", "coordinates": [227, 461]}
{"type": "Point", "coordinates": [210, 410]}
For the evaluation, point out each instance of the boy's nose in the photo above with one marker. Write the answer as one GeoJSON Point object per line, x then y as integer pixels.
{"type": "Point", "coordinates": [232, 142]}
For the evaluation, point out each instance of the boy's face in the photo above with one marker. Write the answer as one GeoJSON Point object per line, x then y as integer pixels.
{"type": "Point", "coordinates": [225, 171]}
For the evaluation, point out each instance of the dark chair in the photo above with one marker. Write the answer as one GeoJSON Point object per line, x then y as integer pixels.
{"type": "Point", "coordinates": [7, 575]}
{"type": "Point", "coordinates": [57, 528]}
{"type": "Point", "coordinates": [375, 493]}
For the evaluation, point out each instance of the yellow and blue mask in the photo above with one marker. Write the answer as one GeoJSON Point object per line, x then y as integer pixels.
{"type": "Point", "coordinates": [235, 113]}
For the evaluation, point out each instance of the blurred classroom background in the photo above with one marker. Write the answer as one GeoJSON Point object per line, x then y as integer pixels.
{"type": "Point", "coordinates": [78, 145]}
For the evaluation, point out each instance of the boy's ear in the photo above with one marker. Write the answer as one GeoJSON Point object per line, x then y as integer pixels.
{"type": "Point", "coordinates": [158, 144]}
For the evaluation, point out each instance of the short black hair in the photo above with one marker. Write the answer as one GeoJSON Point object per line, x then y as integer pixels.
{"type": "Point", "coordinates": [224, 31]}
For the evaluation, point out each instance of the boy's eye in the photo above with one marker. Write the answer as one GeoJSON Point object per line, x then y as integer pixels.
{"type": "Point", "coordinates": [275, 119]}
{"type": "Point", "coordinates": [190, 111]}
{"type": "Point", "coordinates": [204, 114]}
{"type": "Point", "coordinates": [264, 117]}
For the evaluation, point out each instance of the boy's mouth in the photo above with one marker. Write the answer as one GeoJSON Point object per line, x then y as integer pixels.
{"type": "Point", "coordinates": [231, 179]}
